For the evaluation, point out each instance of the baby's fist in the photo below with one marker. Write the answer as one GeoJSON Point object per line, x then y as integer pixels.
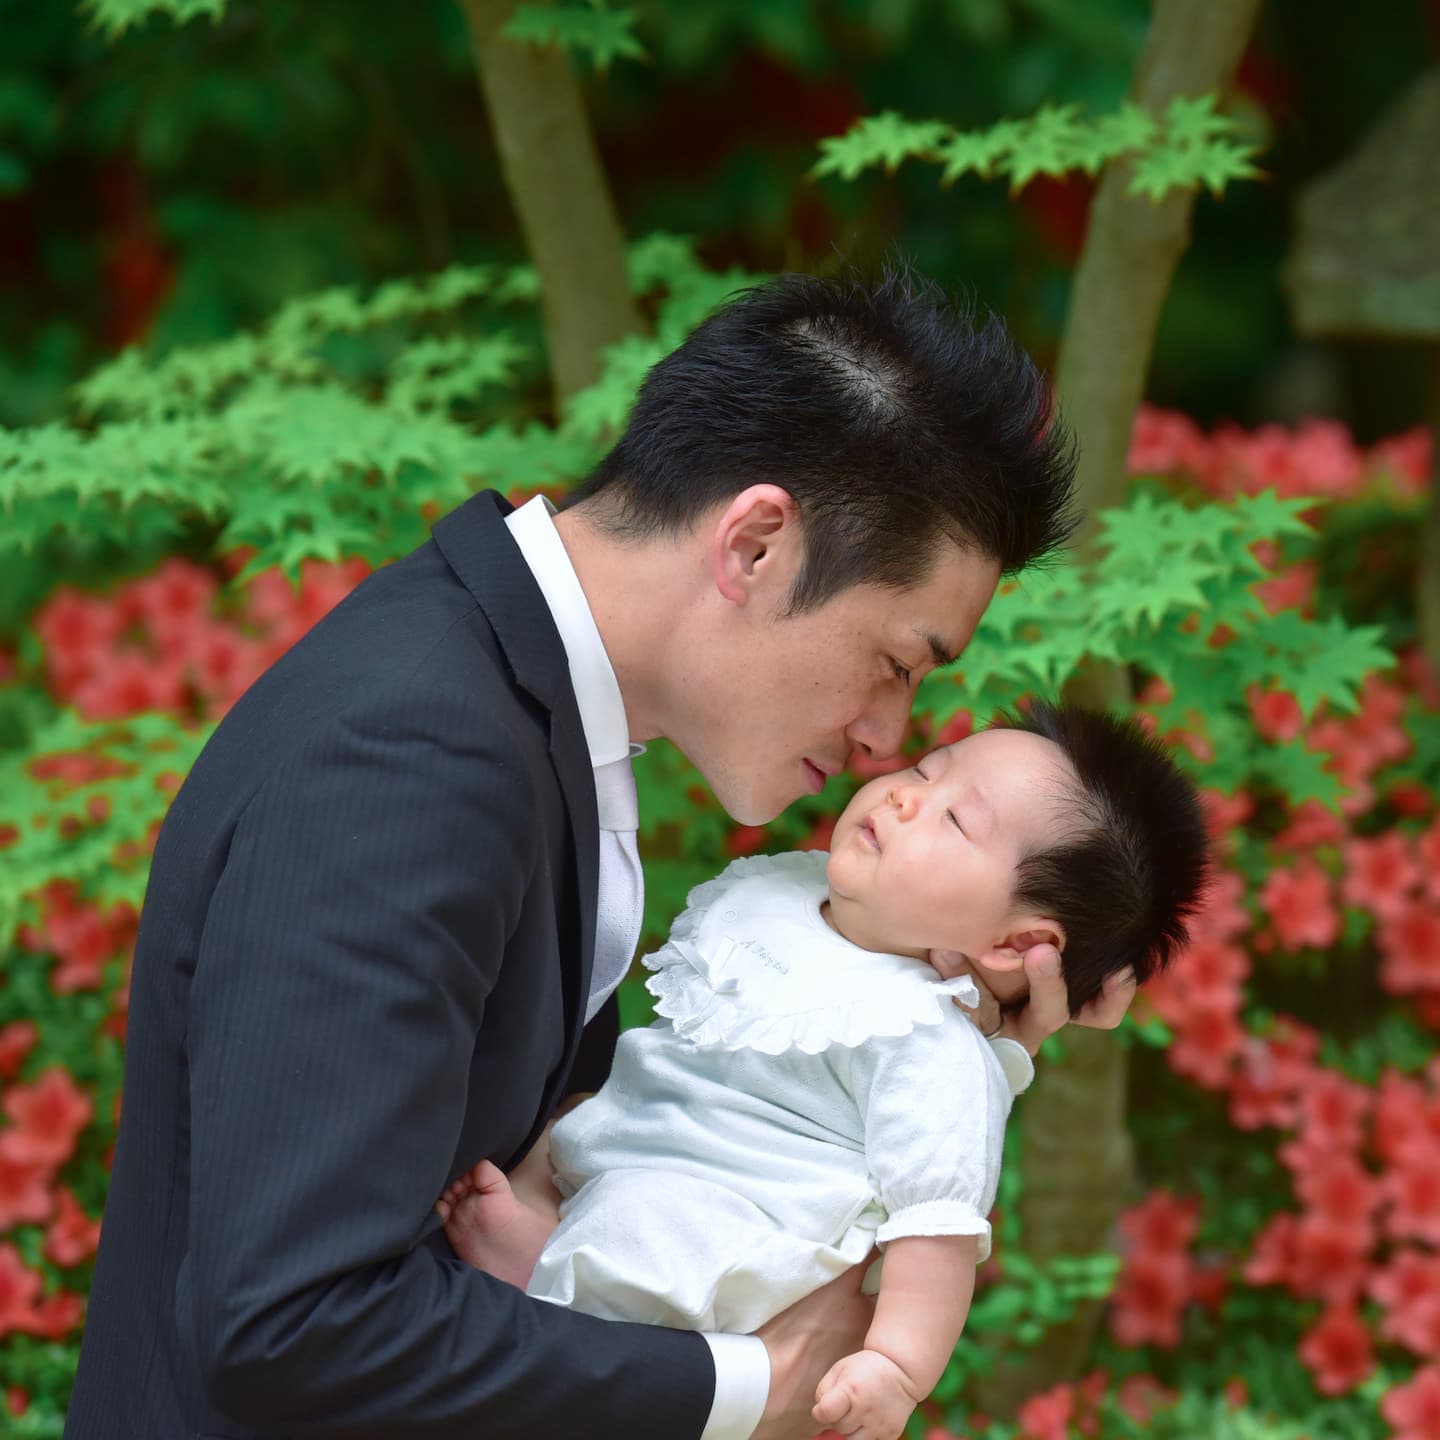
{"type": "Point", "coordinates": [865, 1396]}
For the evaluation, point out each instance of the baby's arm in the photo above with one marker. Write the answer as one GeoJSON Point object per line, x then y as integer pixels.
{"type": "Point", "coordinates": [926, 1285]}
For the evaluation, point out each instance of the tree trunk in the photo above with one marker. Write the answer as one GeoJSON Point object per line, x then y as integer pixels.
{"type": "Point", "coordinates": [1132, 246]}
{"type": "Point", "coordinates": [560, 192]}
{"type": "Point", "coordinates": [1075, 1144]}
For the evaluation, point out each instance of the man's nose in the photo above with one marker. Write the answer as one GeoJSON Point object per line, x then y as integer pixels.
{"type": "Point", "coordinates": [879, 731]}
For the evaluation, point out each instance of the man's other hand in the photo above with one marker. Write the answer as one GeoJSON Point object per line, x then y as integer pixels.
{"type": "Point", "coordinates": [1048, 1007]}
{"type": "Point", "coordinates": [803, 1342]}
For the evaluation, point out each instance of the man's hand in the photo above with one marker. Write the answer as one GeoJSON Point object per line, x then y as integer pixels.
{"type": "Point", "coordinates": [1048, 1007]}
{"type": "Point", "coordinates": [803, 1343]}
{"type": "Point", "coordinates": [866, 1396]}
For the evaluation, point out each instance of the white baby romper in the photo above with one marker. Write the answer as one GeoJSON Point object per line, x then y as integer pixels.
{"type": "Point", "coordinates": [798, 1100]}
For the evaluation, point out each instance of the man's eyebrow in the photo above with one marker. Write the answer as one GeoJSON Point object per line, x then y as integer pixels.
{"type": "Point", "coordinates": [938, 648]}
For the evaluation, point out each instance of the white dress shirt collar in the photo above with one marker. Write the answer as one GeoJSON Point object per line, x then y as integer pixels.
{"type": "Point", "coordinates": [597, 692]}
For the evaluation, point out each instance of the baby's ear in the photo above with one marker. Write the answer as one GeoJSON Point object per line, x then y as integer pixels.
{"type": "Point", "coordinates": [1033, 930]}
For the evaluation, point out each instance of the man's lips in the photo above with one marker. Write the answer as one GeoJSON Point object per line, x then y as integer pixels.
{"type": "Point", "coordinates": [819, 773]}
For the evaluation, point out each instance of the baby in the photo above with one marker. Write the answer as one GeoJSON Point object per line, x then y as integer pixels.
{"type": "Point", "coordinates": [809, 1092]}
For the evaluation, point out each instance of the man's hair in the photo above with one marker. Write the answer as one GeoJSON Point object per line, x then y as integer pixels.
{"type": "Point", "coordinates": [894, 416]}
{"type": "Point", "coordinates": [1133, 868]}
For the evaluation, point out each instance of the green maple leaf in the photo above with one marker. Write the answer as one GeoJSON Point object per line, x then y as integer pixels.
{"type": "Point", "coordinates": [1299, 773]}
{"type": "Point", "coordinates": [886, 139]}
{"type": "Point", "coordinates": [1215, 165]}
{"type": "Point", "coordinates": [1157, 172]}
{"type": "Point", "coordinates": [1268, 517]}
{"type": "Point", "coordinates": [1341, 656]}
{"type": "Point", "coordinates": [604, 35]}
{"type": "Point", "coordinates": [1131, 127]}
{"type": "Point", "coordinates": [1193, 120]}
{"type": "Point", "coordinates": [659, 259]}
{"type": "Point", "coordinates": [1047, 145]}
{"type": "Point", "coordinates": [977, 150]}
{"type": "Point", "coordinates": [115, 17]}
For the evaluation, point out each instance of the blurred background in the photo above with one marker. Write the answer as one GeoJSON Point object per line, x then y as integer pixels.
{"type": "Point", "coordinates": [282, 282]}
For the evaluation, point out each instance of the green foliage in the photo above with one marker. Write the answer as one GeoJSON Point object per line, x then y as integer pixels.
{"type": "Point", "coordinates": [591, 29]}
{"type": "Point", "coordinates": [280, 440]}
{"type": "Point", "coordinates": [1169, 589]}
{"type": "Point", "coordinates": [115, 17]}
{"type": "Point", "coordinates": [1190, 145]}
{"type": "Point", "coordinates": [87, 796]}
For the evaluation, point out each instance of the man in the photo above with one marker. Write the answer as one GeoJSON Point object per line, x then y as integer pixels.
{"type": "Point", "coordinates": [401, 877]}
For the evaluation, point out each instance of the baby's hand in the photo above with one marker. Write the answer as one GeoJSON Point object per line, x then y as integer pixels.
{"type": "Point", "coordinates": [866, 1396]}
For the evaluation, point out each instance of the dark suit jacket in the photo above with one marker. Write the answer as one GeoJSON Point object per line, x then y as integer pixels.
{"type": "Point", "coordinates": [362, 967]}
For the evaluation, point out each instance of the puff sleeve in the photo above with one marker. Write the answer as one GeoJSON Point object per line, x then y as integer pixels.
{"type": "Point", "coordinates": [934, 1105]}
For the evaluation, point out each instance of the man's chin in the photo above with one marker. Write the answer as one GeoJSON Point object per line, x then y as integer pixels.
{"type": "Point", "coordinates": [752, 809]}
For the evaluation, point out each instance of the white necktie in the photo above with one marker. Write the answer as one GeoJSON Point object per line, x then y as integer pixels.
{"type": "Point", "coordinates": [622, 882]}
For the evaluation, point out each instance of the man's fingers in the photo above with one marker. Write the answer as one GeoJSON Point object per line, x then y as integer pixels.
{"type": "Point", "coordinates": [1108, 1008]}
{"type": "Point", "coordinates": [986, 1013]}
{"type": "Point", "coordinates": [1049, 1005]}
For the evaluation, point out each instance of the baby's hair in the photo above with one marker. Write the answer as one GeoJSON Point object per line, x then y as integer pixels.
{"type": "Point", "coordinates": [1126, 878]}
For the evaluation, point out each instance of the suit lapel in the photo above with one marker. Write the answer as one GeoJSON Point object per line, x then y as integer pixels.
{"type": "Point", "coordinates": [476, 543]}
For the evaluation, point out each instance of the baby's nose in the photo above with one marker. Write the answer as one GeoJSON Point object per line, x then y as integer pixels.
{"type": "Point", "coordinates": [905, 800]}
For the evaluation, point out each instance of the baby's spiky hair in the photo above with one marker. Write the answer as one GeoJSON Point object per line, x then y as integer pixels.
{"type": "Point", "coordinates": [1124, 881]}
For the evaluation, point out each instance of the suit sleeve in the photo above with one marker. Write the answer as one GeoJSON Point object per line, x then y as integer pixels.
{"type": "Point", "coordinates": [357, 927]}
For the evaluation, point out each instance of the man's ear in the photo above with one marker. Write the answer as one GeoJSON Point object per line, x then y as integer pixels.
{"type": "Point", "coordinates": [757, 524]}
{"type": "Point", "coordinates": [1033, 930]}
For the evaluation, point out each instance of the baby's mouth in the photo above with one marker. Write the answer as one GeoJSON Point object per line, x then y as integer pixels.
{"type": "Point", "coordinates": [867, 831]}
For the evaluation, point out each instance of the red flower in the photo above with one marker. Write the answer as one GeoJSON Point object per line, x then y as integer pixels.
{"type": "Point", "coordinates": [24, 1192]}
{"type": "Point", "coordinates": [1264, 1089]}
{"type": "Point", "coordinates": [1140, 1396]}
{"type": "Point", "coordinates": [1339, 1189]}
{"type": "Point", "coordinates": [17, 1039]}
{"type": "Point", "coordinates": [1403, 1113]}
{"type": "Point", "coordinates": [1414, 1409]}
{"type": "Point", "coordinates": [169, 599]}
{"type": "Point", "coordinates": [48, 1117]}
{"type": "Point", "coordinates": [1337, 1350]}
{"type": "Point", "coordinates": [1299, 904]}
{"type": "Point", "coordinates": [744, 839]}
{"type": "Point", "coordinates": [1163, 442]}
{"type": "Point", "coordinates": [1408, 1288]}
{"type": "Point", "coordinates": [1334, 1108]}
{"type": "Point", "coordinates": [1332, 1257]}
{"type": "Point", "coordinates": [1311, 825]}
{"type": "Point", "coordinates": [1290, 589]}
{"type": "Point", "coordinates": [1380, 874]}
{"type": "Point", "coordinates": [128, 684]}
{"type": "Point", "coordinates": [1161, 1221]}
{"type": "Point", "coordinates": [1274, 1256]}
{"type": "Point", "coordinates": [1408, 459]}
{"type": "Point", "coordinates": [77, 631]}
{"type": "Point", "coordinates": [73, 1236]}
{"type": "Point", "coordinates": [1411, 1187]}
{"type": "Point", "coordinates": [1222, 915]}
{"type": "Point", "coordinates": [1427, 850]}
{"type": "Point", "coordinates": [55, 1316]}
{"type": "Point", "coordinates": [1223, 813]}
{"type": "Point", "coordinates": [1206, 1045]}
{"type": "Point", "coordinates": [1409, 944]}
{"type": "Point", "coordinates": [19, 1290]}
{"type": "Point", "coordinates": [1325, 451]}
{"type": "Point", "coordinates": [1276, 713]}
{"type": "Point", "coordinates": [1146, 1304]}
{"type": "Point", "coordinates": [1046, 1416]}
